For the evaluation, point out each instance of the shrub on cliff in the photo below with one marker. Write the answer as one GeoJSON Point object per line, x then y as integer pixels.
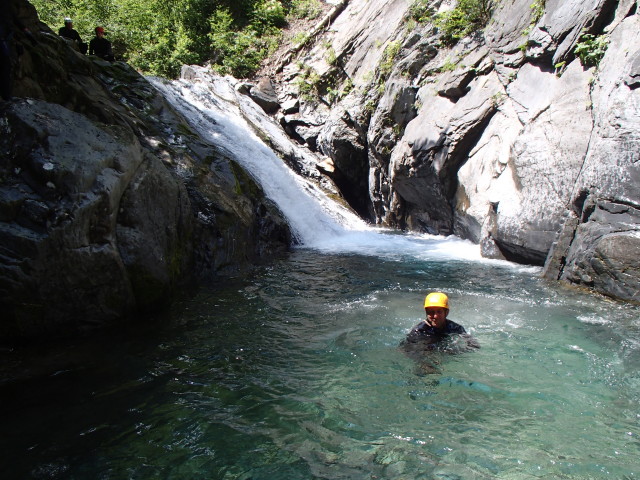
{"type": "Point", "coordinates": [591, 48]}
{"type": "Point", "coordinates": [467, 17]}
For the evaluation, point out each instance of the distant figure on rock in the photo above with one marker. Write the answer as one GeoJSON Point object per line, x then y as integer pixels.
{"type": "Point", "coordinates": [436, 333]}
{"type": "Point", "coordinates": [70, 34]}
{"type": "Point", "coordinates": [100, 46]}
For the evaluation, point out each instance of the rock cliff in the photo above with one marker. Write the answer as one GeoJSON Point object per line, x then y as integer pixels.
{"type": "Point", "coordinates": [511, 137]}
{"type": "Point", "coordinates": [108, 201]}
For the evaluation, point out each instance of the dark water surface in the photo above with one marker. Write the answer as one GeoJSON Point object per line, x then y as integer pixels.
{"type": "Point", "coordinates": [295, 374]}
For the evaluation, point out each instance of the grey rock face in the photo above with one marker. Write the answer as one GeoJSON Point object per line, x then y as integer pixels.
{"type": "Point", "coordinates": [95, 227]}
{"type": "Point", "coordinates": [265, 95]}
{"type": "Point", "coordinates": [603, 221]}
{"type": "Point", "coordinates": [510, 141]}
{"type": "Point", "coordinates": [89, 224]}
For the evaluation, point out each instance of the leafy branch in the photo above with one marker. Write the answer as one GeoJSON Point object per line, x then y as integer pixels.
{"type": "Point", "coordinates": [591, 48]}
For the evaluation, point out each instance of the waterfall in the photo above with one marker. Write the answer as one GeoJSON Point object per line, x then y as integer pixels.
{"type": "Point", "coordinates": [218, 113]}
{"type": "Point", "coordinates": [228, 119]}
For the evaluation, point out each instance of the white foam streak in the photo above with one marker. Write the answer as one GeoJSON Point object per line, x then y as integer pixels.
{"type": "Point", "coordinates": [593, 319]}
{"type": "Point", "coordinates": [396, 246]}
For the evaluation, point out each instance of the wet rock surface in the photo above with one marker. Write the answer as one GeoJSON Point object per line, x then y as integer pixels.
{"type": "Point", "coordinates": [109, 203]}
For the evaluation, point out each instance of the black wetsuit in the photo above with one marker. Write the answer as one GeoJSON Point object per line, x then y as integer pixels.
{"type": "Point", "coordinates": [425, 344]}
{"type": "Point", "coordinates": [72, 34]}
{"type": "Point", "coordinates": [423, 331]}
{"type": "Point", "coordinates": [101, 47]}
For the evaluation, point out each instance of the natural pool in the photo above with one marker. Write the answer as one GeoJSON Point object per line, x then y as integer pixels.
{"type": "Point", "coordinates": [295, 373]}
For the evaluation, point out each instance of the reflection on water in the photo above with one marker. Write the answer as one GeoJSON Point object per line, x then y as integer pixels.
{"type": "Point", "coordinates": [296, 374]}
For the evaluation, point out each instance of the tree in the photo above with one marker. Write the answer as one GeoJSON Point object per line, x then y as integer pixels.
{"type": "Point", "coordinates": [158, 36]}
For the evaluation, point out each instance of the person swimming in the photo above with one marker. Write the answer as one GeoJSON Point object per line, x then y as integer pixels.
{"type": "Point", "coordinates": [436, 333]}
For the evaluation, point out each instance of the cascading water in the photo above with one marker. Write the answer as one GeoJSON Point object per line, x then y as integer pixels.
{"type": "Point", "coordinates": [223, 116]}
{"type": "Point", "coordinates": [218, 113]}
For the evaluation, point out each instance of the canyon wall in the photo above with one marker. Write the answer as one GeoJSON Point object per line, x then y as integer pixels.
{"type": "Point", "coordinates": [506, 137]}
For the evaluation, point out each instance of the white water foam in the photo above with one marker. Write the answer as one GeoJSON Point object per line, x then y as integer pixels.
{"type": "Point", "coordinates": [219, 114]}
{"type": "Point", "coordinates": [215, 110]}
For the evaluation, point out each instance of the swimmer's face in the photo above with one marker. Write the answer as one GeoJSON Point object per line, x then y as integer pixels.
{"type": "Point", "coordinates": [436, 316]}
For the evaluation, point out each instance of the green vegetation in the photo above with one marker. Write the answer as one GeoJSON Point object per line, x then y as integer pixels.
{"type": "Point", "coordinates": [308, 83]}
{"type": "Point", "coordinates": [388, 57]}
{"type": "Point", "coordinates": [332, 59]}
{"type": "Point", "coordinates": [310, 9]}
{"type": "Point", "coordinates": [537, 10]}
{"type": "Point", "coordinates": [347, 87]}
{"type": "Point", "coordinates": [467, 17]}
{"type": "Point", "coordinates": [300, 38]}
{"type": "Point", "coordinates": [158, 36]}
{"type": "Point", "coordinates": [591, 48]}
{"type": "Point", "coordinates": [239, 53]}
{"type": "Point", "coordinates": [498, 98]}
{"type": "Point", "coordinates": [386, 66]}
{"type": "Point", "coordinates": [448, 66]}
{"type": "Point", "coordinates": [421, 11]}
{"type": "Point", "coordinates": [328, 88]}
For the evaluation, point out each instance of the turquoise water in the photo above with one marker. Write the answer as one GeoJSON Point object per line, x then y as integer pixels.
{"type": "Point", "coordinates": [295, 373]}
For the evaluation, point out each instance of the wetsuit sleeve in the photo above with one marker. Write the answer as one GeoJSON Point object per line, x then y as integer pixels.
{"type": "Point", "coordinates": [412, 336]}
{"type": "Point", "coordinates": [453, 327]}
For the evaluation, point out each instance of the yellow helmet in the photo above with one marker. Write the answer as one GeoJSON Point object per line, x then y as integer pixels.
{"type": "Point", "coordinates": [436, 299]}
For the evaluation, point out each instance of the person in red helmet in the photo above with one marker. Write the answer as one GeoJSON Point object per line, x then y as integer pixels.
{"type": "Point", "coordinates": [100, 46]}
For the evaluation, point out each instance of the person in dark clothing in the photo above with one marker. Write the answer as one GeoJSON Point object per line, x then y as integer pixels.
{"type": "Point", "coordinates": [436, 333]}
{"type": "Point", "coordinates": [69, 33]}
{"type": "Point", "coordinates": [436, 307]}
{"type": "Point", "coordinates": [100, 46]}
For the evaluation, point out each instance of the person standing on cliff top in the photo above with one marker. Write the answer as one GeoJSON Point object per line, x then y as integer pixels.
{"type": "Point", "coordinates": [69, 33]}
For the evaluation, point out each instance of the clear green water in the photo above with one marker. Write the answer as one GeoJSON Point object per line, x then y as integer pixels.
{"type": "Point", "coordinates": [295, 374]}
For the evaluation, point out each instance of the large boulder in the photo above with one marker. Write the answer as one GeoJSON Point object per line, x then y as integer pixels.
{"type": "Point", "coordinates": [109, 202]}
{"type": "Point", "coordinates": [93, 227]}
{"type": "Point", "coordinates": [600, 236]}
{"type": "Point", "coordinates": [531, 163]}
